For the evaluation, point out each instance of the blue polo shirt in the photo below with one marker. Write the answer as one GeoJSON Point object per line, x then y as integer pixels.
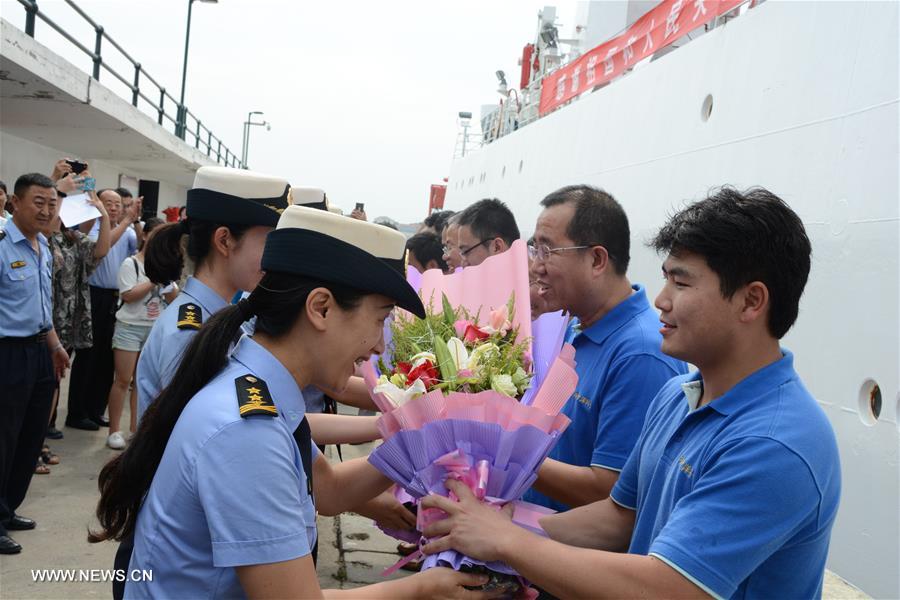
{"type": "Point", "coordinates": [26, 296]}
{"type": "Point", "coordinates": [166, 343]}
{"type": "Point", "coordinates": [106, 275]}
{"type": "Point", "coordinates": [620, 369]}
{"type": "Point", "coordinates": [739, 495]}
{"type": "Point", "coordinates": [229, 491]}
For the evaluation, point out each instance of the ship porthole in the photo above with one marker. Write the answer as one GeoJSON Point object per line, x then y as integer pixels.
{"type": "Point", "coordinates": [869, 402]}
{"type": "Point", "coordinates": [706, 108]}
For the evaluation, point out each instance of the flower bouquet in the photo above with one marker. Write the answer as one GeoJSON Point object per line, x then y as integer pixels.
{"type": "Point", "coordinates": [457, 396]}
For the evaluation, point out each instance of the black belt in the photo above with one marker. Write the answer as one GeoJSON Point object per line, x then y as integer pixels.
{"type": "Point", "coordinates": [37, 338]}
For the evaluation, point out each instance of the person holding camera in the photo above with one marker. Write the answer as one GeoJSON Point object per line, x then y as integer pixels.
{"type": "Point", "coordinates": [92, 369]}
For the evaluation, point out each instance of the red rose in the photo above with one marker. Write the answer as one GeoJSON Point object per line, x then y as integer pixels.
{"type": "Point", "coordinates": [426, 371]}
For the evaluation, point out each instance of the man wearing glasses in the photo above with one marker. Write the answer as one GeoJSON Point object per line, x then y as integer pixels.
{"type": "Point", "coordinates": [485, 228]}
{"type": "Point", "coordinates": [579, 258]}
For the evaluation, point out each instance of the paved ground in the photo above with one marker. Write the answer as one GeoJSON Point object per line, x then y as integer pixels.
{"type": "Point", "coordinates": [352, 551]}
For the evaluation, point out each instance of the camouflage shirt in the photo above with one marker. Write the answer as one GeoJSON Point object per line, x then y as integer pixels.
{"type": "Point", "coordinates": [73, 262]}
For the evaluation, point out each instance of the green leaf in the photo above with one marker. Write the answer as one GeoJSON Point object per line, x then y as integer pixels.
{"type": "Point", "coordinates": [449, 313]}
{"type": "Point", "coordinates": [445, 360]}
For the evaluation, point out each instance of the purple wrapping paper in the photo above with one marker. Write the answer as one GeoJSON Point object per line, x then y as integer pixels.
{"type": "Point", "coordinates": [407, 458]}
{"type": "Point", "coordinates": [547, 335]}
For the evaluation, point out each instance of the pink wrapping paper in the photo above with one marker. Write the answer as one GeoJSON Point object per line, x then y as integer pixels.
{"type": "Point", "coordinates": [483, 407]}
{"type": "Point", "coordinates": [485, 287]}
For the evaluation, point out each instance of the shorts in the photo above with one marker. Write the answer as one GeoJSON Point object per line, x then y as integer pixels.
{"type": "Point", "coordinates": [130, 337]}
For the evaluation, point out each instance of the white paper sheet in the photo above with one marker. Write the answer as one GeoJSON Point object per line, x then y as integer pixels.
{"type": "Point", "coordinates": [77, 209]}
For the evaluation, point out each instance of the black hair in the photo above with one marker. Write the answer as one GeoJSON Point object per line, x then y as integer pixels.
{"type": "Point", "coordinates": [277, 302]}
{"type": "Point", "coordinates": [490, 218]}
{"type": "Point", "coordinates": [426, 246]}
{"type": "Point", "coordinates": [598, 221]}
{"type": "Point", "coordinates": [26, 181]}
{"type": "Point", "coordinates": [438, 219]}
{"type": "Point", "coordinates": [744, 237]}
{"type": "Point", "coordinates": [164, 254]}
{"type": "Point", "coordinates": [3, 187]}
{"type": "Point", "coordinates": [123, 192]}
{"type": "Point", "coordinates": [152, 223]}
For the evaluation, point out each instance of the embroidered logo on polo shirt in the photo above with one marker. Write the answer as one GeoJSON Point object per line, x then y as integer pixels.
{"type": "Point", "coordinates": [684, 467]}
{"type": "Point", "coordinates": [582, 399]}
{"type": "Point", "coordinates": [17, 264]}
{"type": "Point", "coordinates": [190, 316]}
{"type": "Point", "coordinates": [253, 397]}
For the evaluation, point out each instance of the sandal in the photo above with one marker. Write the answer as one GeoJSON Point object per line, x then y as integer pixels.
{"type": "Point", "coordinates": [48, 457]}
{"type": "Point", "coordinates": [41, 469]}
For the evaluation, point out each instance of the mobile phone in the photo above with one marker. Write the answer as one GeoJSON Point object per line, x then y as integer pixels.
{"type": "Point", "coordinates": [359, 207]}
{"type": "Point", "coordinates": [77, 167]}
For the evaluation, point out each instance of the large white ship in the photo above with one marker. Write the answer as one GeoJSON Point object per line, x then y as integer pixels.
{"type": "Point", "coordinates": [798, 97]}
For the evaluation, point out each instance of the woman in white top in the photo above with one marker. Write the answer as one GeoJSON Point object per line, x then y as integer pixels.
{"type": "Point", "coordinates": [141, 302]}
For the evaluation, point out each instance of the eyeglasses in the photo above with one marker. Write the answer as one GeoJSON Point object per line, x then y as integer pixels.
{"type": "Point", "coordinates": [544, 251]}
{"type": "Point", "coordinates": [470, 248]}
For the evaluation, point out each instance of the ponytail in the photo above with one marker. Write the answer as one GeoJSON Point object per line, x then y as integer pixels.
{"type": "Point", "coordinates": [125, 480]}
{"type": "Point", "coordinates": [164, 255]}
{"type": "Point", "coordinates": [277, 302]}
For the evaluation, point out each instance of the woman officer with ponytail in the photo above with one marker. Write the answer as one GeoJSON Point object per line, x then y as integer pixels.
{"type": "Point", "coordinates": [229, 213]}
{"type": "Point", "coordinates": [214, 487]}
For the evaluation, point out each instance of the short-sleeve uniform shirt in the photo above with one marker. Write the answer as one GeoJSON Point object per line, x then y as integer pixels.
{"type": "Point", "coordinates": [738, 495]}
{"type": "Point", "coordinates": [26, 294]}
{"type": "Point", "coordinates": [166, 343]}
{"type": "Point", "coordinates": [229, 491]}
{"type": "Point", "coordinates": [620, 369]}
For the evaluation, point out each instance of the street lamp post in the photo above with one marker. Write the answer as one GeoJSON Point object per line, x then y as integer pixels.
{"type": "Point", "coordinates": [245, 147]}
{"type": "Point", "coordinates": [181, 121]}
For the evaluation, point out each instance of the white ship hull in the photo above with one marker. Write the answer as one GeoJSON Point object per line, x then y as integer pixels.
{"type": "Point", "coordinates": [805, 103]}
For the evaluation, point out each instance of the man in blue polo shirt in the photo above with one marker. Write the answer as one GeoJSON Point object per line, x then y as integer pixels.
{"type": "Point", "coordinates": [733, 486]}
{"type": "Point", "coordinates": [579, 260]}
{"type": "Point", "coordinates": [92, 369]}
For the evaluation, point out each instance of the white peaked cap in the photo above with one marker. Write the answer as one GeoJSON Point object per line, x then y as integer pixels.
{"type": "Point", "coordinates": [333, 248]}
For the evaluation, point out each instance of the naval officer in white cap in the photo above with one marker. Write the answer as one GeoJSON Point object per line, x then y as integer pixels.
{"type": "Point", "coordinates": [214, 482]}
{"type": "Point", "coordinates": [229, 213]}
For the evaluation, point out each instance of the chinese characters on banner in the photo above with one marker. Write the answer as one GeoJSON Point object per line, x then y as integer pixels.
{"type": "Point", "coordinates": [658, 28]}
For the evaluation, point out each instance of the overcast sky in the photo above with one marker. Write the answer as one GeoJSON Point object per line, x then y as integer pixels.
{"type": "Point", "coordinates": [362, 96]}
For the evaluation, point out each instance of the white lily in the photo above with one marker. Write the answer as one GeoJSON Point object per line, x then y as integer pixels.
{"type": "Point", "coordinates": [399, 396]}
{"type": "Point", "coordinates": [459, 353]}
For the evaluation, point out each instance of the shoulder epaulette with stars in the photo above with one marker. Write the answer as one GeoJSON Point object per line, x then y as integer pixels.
{"type": "Point", "coordinates": [253, 397]}
{"type": "Point", "coordinates": [190, 316]}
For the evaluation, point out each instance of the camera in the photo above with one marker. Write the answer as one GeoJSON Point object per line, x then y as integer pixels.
{"type": "Point", "coordinates": [77, 166]}
{"type": "Point", "coordinates": [359, 207]}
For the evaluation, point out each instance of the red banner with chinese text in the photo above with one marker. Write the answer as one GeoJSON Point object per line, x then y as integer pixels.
{"type": "Point", "coordinates": [665, 23]}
